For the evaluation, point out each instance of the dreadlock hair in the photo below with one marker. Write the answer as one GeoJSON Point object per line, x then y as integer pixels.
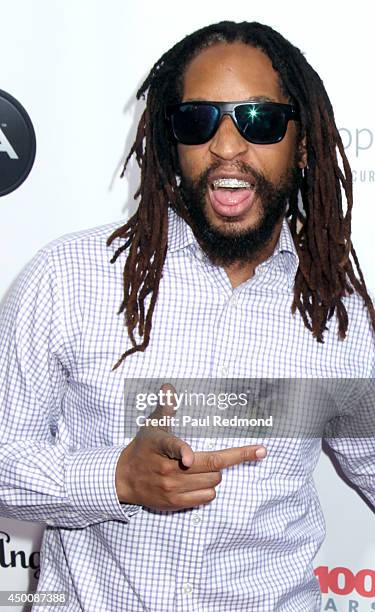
{"type": "Point", "coordinates": [322, 235]}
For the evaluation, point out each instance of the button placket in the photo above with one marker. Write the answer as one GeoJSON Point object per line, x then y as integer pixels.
{"type": "Point", "coordinates": [235, 300]}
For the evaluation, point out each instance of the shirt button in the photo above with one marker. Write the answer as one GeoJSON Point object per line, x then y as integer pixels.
{"type": "Point", "coordinates": [195, 518]}
{"type": "Point", "coordinates": [187, 588]}
{"type": "Point", "coordinates": [224, 371]}
{"type": "Point", "coordinates": [210, 445]}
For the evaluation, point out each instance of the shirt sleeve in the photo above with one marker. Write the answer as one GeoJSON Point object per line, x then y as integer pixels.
{"type": "Point", "coordinates": [351, 437]}
{"type": "Point", "coordinates": [41, 478]}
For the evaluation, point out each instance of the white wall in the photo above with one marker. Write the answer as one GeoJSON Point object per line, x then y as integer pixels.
{"type": "Point", "coordinates": [75, 66]}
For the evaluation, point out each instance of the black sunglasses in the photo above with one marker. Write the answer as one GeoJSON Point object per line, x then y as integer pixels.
{"type": "Point", "coordinates": [196, 122]}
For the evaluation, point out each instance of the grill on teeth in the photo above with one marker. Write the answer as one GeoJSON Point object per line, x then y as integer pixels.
{"type": "Point", "coordinates": [231, 183]}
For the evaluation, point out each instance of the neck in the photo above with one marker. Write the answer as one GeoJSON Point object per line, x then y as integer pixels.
{"type": "Point", "coordinates": [238, 272]}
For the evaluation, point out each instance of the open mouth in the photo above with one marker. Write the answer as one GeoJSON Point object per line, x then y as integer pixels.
{"type": "Point", "coordinates": [231, 197]}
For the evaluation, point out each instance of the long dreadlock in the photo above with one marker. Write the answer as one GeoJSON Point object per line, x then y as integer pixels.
{"type": "Point", "coordinates": [321, 231]}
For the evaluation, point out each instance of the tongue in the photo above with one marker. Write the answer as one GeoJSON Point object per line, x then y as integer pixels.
{"type": "Point", "coordinates": [230, 197]}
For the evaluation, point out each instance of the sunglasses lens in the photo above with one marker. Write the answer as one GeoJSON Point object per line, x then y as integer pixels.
{"type": "Point", "coordinates": [261, 124]}
{"type": "Point", "coordinates": [194, 123]}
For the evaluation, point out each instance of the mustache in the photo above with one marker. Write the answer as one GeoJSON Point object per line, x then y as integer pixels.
{"type": "Point", "coordinates": [249, 173]}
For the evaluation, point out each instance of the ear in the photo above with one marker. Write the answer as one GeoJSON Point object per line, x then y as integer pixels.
{"type": "Point", "coordinates": [302, 153]}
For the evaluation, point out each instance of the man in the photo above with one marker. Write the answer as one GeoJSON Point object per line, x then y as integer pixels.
{"type": "Point", "coordinates": [241, 259]}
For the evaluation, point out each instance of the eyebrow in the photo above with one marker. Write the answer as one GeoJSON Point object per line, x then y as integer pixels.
{"type": "Point", "coordinates": [251, 99]}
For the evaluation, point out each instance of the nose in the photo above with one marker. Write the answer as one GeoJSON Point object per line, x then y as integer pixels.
{"type": "Point", "coordinates": [227, 142]}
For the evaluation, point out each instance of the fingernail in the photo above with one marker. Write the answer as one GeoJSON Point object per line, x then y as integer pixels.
{"type": "Point", "coordinates": [261, 452]}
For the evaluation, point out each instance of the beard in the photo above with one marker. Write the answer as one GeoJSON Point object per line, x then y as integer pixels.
{"type": "Point", "coordinates": [228, 244]}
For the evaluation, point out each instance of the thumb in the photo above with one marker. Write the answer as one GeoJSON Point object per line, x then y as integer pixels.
{"type": "Point", "coordinates": [168, 398]}
{"type": "Point", "coordinates": [165, 408]}
{"type": "Point", "coordinates": [175, 448]}
{"type": "Point", "coordinates": [168, 444]}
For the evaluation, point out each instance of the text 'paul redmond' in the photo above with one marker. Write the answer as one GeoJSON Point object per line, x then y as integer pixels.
{"type": "Point", "coordinates": [215, 420]}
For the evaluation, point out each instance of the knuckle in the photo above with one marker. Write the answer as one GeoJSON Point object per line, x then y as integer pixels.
{"type": "Point", "coordinates": [167, 485]}
{"type": "Point", "coordinates": [165, 468]}
{"type": "Point", "coordinates": [243, 456]}
{"type": "Point", "coordinates": [214, 463]}
{"type": "Point", "coordinates": [169, 444]}
{"type": "Point", "coordinates": [173, 501]}
{"type": "Point", "coordinates": [162, 470]}
{"type": "Point", "coordinates": [247, 454]}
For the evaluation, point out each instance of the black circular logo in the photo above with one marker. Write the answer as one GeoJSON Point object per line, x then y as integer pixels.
{"type": "Point", "coordinates": [17, 143]}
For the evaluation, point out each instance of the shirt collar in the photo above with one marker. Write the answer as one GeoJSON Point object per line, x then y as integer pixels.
{"type": "Point", "coordinates": [284, 259]}
{"type": "Point", "coordinates": [180, 234]}
{"type": "Point", "coordinates": [285, 242]}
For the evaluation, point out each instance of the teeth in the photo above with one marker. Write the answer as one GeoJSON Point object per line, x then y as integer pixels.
{"type": "Point", "coordinates": [231, 183]}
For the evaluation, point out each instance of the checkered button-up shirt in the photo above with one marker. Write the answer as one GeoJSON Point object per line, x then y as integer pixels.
{"type": "Point", "coordinates": [62, 421]}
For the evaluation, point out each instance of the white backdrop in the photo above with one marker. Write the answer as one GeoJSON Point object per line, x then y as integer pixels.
{"type": "Point", "coordinates": [76, 66]}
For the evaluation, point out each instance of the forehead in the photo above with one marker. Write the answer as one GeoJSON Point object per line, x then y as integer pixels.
{"type": "Point", "coordinates": [231, 71]}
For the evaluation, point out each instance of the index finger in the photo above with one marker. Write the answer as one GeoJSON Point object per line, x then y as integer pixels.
{"type": "Point", "coordinates": [215, 461]}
